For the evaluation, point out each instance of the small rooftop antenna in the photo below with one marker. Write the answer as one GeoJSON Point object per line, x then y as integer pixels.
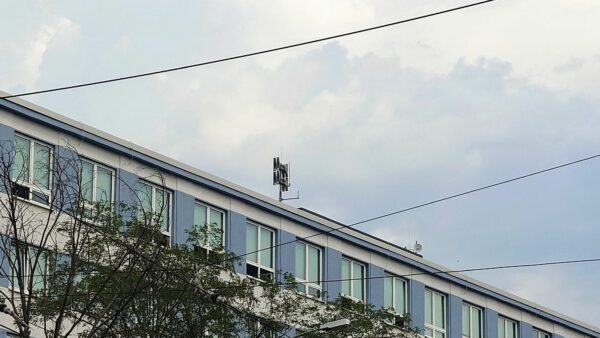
{"type": "Point", "coordinates": [281, 177]}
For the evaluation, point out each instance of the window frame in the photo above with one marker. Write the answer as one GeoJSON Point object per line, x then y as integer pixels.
{"type": "Point", "coordinates": [433, 326]}
{"type": "Point", "coordinates": [29, 184]}
{"type": "Point", "coordinates": [306, 283]}
{"type": "Point", "coordinates": [209, 207]}
{"type": "Point", "coordinates": [259, 264]}
{"type": "Point", "coordinates": [257, 326]}
{"type": "Point", "coordinates": [537, 333]}
{"type": "Point", "coordinates": [95, 166]}
{"type": "Point", "coordinates": [393, 309]}
{"type": "Point", "coordinates": [351, 280]}
{"type": "Point", "coordinates": [473, 308]}
{"type": "Point", "coordinates": [506, 322]}
{"type": "Point", "coordinates": [156, 187]}
{"type": "Point", "coordinates": [26, 261]}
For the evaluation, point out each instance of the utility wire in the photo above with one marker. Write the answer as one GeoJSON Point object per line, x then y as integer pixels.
{"type": "Point", "coordinates": [412, 274]}
{"type": "Point", "coordinates": [395, 212]}
{"type": "Point", "coordinates": [240, 56]}
{"type": "Point", "coordinates": [420, 205]}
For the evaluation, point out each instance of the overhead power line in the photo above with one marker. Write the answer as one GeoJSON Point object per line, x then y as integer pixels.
{"type": "Point", "coordinates": [422, 205]}
{"type": "Point", "coordinates": [240, 56]}
{"type": "Point", "coordinates": [412, 274]}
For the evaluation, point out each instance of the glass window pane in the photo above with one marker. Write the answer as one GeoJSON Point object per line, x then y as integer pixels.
{"type": "Point", "coordinates": [40, 271]}
{"type": "Point", "coordinates": [216, 219]}
{"type": "Point", "coordinates": [439, 319]}
{"type": "Point", "coordinates": [162, 209]}
{"type": "Point", "coordinates": [87, 177]}
{"type": "Point", "coordinates": [466, 328]}
{"type": "Point", "coordinates": [200, 223]}
{"type": "Point", "coordinates": [314, 264]}
{"type": "Point", "coordinates": [13, 273]}
{"type": "Point", "coordinates": [388, 292]}
{"type": "Point", "coordinates": [400, 304]}
{"type": "Point", "coordinates": [358, 281]}
{"type": "Point", "coordinates": [345, 277]}
{"type": "Point", "coordinates": [20, 165]}
{"type": "Point", "coordinates": [200, 215]}
{"type": "Point", "coordinates": [145, 197]}
{"type": "Point", "coordinates": [166, 212]}
{"type": "Point", "coordinates": [266, 242]}
{"type": "Point", "coordinates": [41, 166]}
{"type": "Point", "coordinates": [428, 332]}
{"type": "Point", "coordinates": [252, 242]}
{"type": "Point", "coordinates": [216, 229]}
{"type": "Point", "coordinates": [301, 261]}
{"type": "Point", "coordinates": [501, 329]}
{"type": "Point", "coordinates": [159, 201]}
{"type": "Point", "coordinates": [40, 197]}
{"type": "Point", "coordinates": [104, 186]}
{"type": "Point", "coordinates": [439, 334]}
{"type": "Point", "coordinates": [511, 330]}
{"type": "Point", "coordinates": [428, 307]}
{"type": "Point", "coordinates": [476, 320]}
{"type": "Point", "coordinates": [314, 292]}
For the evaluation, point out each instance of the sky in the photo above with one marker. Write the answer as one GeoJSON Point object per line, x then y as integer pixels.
{"type": "Point", "coordinates": [371, 123]}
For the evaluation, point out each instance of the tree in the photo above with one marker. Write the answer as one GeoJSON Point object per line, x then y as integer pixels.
{"type": "Point", "coordinates": [77, 263]}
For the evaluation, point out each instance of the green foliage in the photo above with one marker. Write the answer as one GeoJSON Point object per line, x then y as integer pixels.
{"type": "Point", "coordinates": [114, 275]}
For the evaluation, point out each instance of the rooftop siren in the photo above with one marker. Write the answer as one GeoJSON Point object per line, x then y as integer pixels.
{"type": "Point", "coordinates": [417, 247]}
{"type": "Point", "coordinates": [281, 177]}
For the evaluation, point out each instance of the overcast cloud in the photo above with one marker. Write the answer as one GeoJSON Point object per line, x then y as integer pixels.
{"type": "Point", "coordinates": [371, 123]}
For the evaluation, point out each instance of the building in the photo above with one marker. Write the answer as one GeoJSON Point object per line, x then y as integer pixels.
{"type": "Point", "coordinates": [444, 304]}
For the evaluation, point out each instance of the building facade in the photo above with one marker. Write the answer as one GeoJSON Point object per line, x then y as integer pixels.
{"type": "Point", "coordinates": [443, 304]}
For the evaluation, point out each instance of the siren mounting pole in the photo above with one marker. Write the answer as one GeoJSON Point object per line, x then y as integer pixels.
{"type": "Point", "coordinates": [281, 177]}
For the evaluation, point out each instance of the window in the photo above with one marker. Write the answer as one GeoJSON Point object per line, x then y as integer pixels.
{"type": "Point", "coordinates": [260, 264]}
{"type": "Point", "coordinates": [353, 279]}
{"type": "Point", "coordinates": [308, 269]}
{"type": "Point", "coordinates": [30, 170]}
{"type": "Point", "coordinates": [435, 314]}
{"type": "Point", "coordinates": [23, 264]}
{"type": "Point", "coordinates": [155, 202]}
{"type": "Point", "coordinates": [471, 321]}
{"type": "Point", "coordinates": [259, 330]}
{"type": "Point", "coordinates": [96, 183]}
{"type": "Point", "coordinates": [540, 334]}
{"type": "Point", "coordinates": [394, 293]}
{"type": "Point", "coordinates": [210, 225]}
{"type": "Point", "coordinates": [507, 328]}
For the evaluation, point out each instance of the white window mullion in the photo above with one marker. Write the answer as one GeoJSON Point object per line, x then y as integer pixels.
{"type": "Point", "coordinates": [273, 251]}
{"type": "Point", "coordinates": [258, 246]}
{"type": "Point", "coordinates": [351, 279]}
{"type": "Point", "coordinates": [471, 329]}
{"type": "Point", "coordinates": [94, 181]}
{"type": "Point", "coordinates": [306, 267]}
{"type": "Point", "coordinates": [31, 161]}
{"type": "Point", "coordinates": [262, 269]}
{"type": "Point", "coordinates": [31, 168]}
{"type": "Point", "coordinates": [153, 199]}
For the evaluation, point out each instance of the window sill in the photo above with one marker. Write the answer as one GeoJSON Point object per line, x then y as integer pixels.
{"type": "Point", "coordinates": [37, 204]}
{"type": "Point", "coordinates": [307, 285]}
{"type": "Point", "coordinates": [353, 299]}
{"type": "Point", "coordinates": [259, 270]}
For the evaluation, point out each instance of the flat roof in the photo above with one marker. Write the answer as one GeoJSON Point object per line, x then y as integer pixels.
{"type": "Point", "coordinates": [318, 222]}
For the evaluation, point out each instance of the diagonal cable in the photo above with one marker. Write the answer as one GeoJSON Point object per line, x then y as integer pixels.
{"type": "Point", "coordinates": [240, 56]}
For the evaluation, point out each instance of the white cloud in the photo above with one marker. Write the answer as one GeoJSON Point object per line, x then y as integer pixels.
{"type": "Point", "coordinates": [553, 288]}
{"type": "Point", "coordinates": [56, 34]}
{"type": "Point", "coordinates": [372, 123]}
